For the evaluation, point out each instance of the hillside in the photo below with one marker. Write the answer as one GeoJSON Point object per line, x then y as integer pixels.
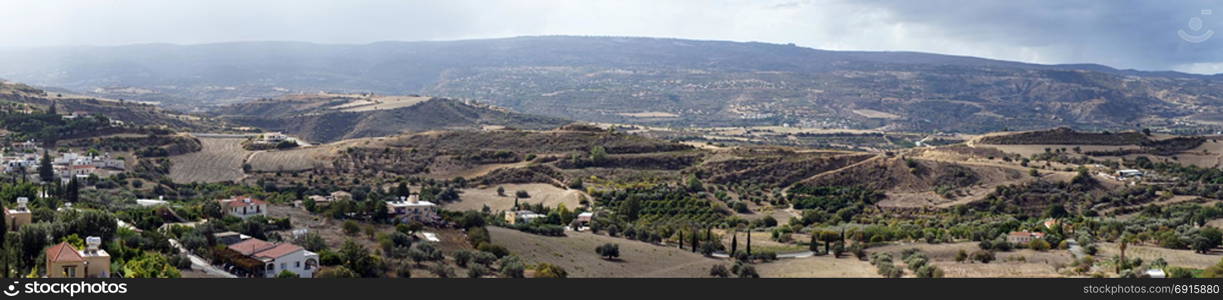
{"type": "Point", "coordinates": [327, 118]}
{"type": "Point", "coordinates": [650, 81]}
{"type": "Point", "coordinates": [129, 112]}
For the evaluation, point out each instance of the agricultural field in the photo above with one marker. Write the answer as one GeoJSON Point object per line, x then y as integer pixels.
{"type": "Point", "coordinates": [549, 195]}
{"type": "Point", "coordinates": [220, 159]}
{"type": "Point", "coordinates": [575, 253]}
{"type": "Point", "coordinates": [817, 267]}
{"type": "Point", "coordinates": [299, 159]}
{"type": "Point", "coordinates": [1021, 263]}
{"type": "Point", "coordinates": [1174, 257]}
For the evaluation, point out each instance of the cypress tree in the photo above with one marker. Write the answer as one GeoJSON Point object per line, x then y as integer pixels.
{"type": "Point", "coordinates": [45, 171]}
{"type": "Point", "coordinates": [734, 242]}
{"type": "Point", "coordinates": [695, 241]}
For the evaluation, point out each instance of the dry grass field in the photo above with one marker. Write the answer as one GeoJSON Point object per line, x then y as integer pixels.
{"type": "Point", "coordinates": [817, 267]}
{"type": "Point", "coordinates": [1013, 264]}
{"type": "Point", "coordinates": [1029, 150]}
{"type": "Point", "coordinates": [1179, 258]}
{"type": "Point", "coordinates": [476, 198]}
{"type": "Point", "coordinates": [290, 160]}
{"type": "Point", "coordinates": [576, 254]}
{"type": "Point", "coordinates": [219, 160]}
{"type": "Point", "coordinates": [379, 103]}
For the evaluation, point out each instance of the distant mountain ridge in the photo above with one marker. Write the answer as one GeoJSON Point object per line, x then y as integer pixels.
{"type": "Point", "coordinates": [649, 81]}
{"type": "Point", "coordinates": [329, 118]}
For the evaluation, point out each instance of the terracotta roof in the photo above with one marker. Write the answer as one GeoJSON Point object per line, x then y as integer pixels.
{"type": "Point", "coordinates": [279, 250]}
{"type": "Point", "coordinates": [63, 252]}
{"type": "Point", "coordinates": [251, 246]}
{"type": "Point", "coordinates": [1025, 233]}
{"type": "Point", "coordinates": [238, 201]}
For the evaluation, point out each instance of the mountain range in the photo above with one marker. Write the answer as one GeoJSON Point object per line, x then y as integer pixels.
{"type": "Point", "coordinates": [652, 81]}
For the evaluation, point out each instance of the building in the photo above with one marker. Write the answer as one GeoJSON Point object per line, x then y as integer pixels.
{"type": "Point", "coordinates": [411, 208]}
{"type": "Point", "coordinates": [244, 206]}
{"type": "Point", "coordinates": [273, 137]}
{"type": "Point", "coordinates": [1052, 223]}
{"type": "Point", "coordinates": [278, 257]}
{"type": "Point", "coordinates": [19, 216]}
{"type": "Point", "coordinates": [524, 216]}
{"type": "Point", "coordinates": [340, 195]}
{"type": "Point", "coordinates": [1023, 237]}
{"type": "Point", "coordinates": [1156, 273]}
{"type": "Point", "coordinates": [161, 200]}
{"type": "Point", "coordinates": [230, 237]}
{"type": "Point", "coordinates": [64, 261]}
{"type": "Point", "coordinates": [1128, 173]}
{"type": "Point", "coordinates": [583, 220]}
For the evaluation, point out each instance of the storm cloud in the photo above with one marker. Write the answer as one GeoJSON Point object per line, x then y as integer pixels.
{"type": "Point", "coordinates": [1123, 34]}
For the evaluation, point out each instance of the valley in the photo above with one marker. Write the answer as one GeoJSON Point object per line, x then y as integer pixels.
{"type": "Point", "coordinates": [771, 161]}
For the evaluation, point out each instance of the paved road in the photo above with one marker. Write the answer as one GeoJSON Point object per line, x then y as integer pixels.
{"type": "Point", "coordinates": [199, 263]}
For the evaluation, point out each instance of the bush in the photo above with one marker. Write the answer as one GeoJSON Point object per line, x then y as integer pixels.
{"type": "Point", "coordinates": [351, 227]}
{"type": "Point", "coordinates": [546, 270]}
{"type": "Point", "coordinates": [719, 271]}
{"type": "Point", "coordinates": [522, 194]}
{"type": "Point", "coordinates": [1039, 245]}
{"type": "Point", "coordinates": [337, 272]}
{"type": "Point", "coordinates": [608, 251]}
{"type": "Point", "coordinates": [983, 256]}
{"type": "Point", "coordinates": [442, 271]}
{"type": "Point", "coordinates": [496, 250]}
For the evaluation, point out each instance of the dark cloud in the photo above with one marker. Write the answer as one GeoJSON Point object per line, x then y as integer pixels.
{"type": "Point", "coordinates": [1126, 34]}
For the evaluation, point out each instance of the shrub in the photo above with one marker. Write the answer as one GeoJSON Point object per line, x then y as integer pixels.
{"type": "Point", "coordinates": [546, 270]}
{"type": "Point", "coordinates": [983, 256]}
{"type": "Point", "coordinates": [719, 271]}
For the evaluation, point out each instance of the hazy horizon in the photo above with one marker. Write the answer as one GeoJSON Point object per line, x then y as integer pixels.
{"type": "Point", "coordinates": [1121, 34]}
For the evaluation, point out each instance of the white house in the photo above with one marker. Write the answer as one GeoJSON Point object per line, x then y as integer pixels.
{"type": "Point", "coordinates": [244, 206]}
{"type": "Point", "coordinates": [1024, 237]}
{"type": "Point", "coordinates": [1128, 173]}
{"type": "Point", "coordinates": [279, 257]}
{"type": "Point", "coordinates": [411, 208]}
{"type": "Point", "coordinates": [525, 216]}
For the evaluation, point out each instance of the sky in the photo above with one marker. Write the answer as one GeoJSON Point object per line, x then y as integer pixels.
{"type": "Point", "coordinates": [1127, 34]}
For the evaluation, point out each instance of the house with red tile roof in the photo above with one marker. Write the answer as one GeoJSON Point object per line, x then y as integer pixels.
{"type": "Point", "coordinates": [277, 257]}
{"type": "Point", "coordinates": [244, 206]}
{"type": "Point", "coordinates": [64, 261]}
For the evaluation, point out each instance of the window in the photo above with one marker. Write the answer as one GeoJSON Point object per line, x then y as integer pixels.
{"type": "Point", "coordinates": [283, 266]}
{"type": "Point", "coordinates": [70, 271]}
{"type": "Point", "coordinates": [297, 264]}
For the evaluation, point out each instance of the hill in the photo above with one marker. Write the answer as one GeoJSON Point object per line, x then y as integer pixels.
{"type": "Point", "coordinates": [327, 118]}
{"type": "Point", "coordinates": [127, 112]}
{"type": "Point", "coordinates": [649, 81]}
